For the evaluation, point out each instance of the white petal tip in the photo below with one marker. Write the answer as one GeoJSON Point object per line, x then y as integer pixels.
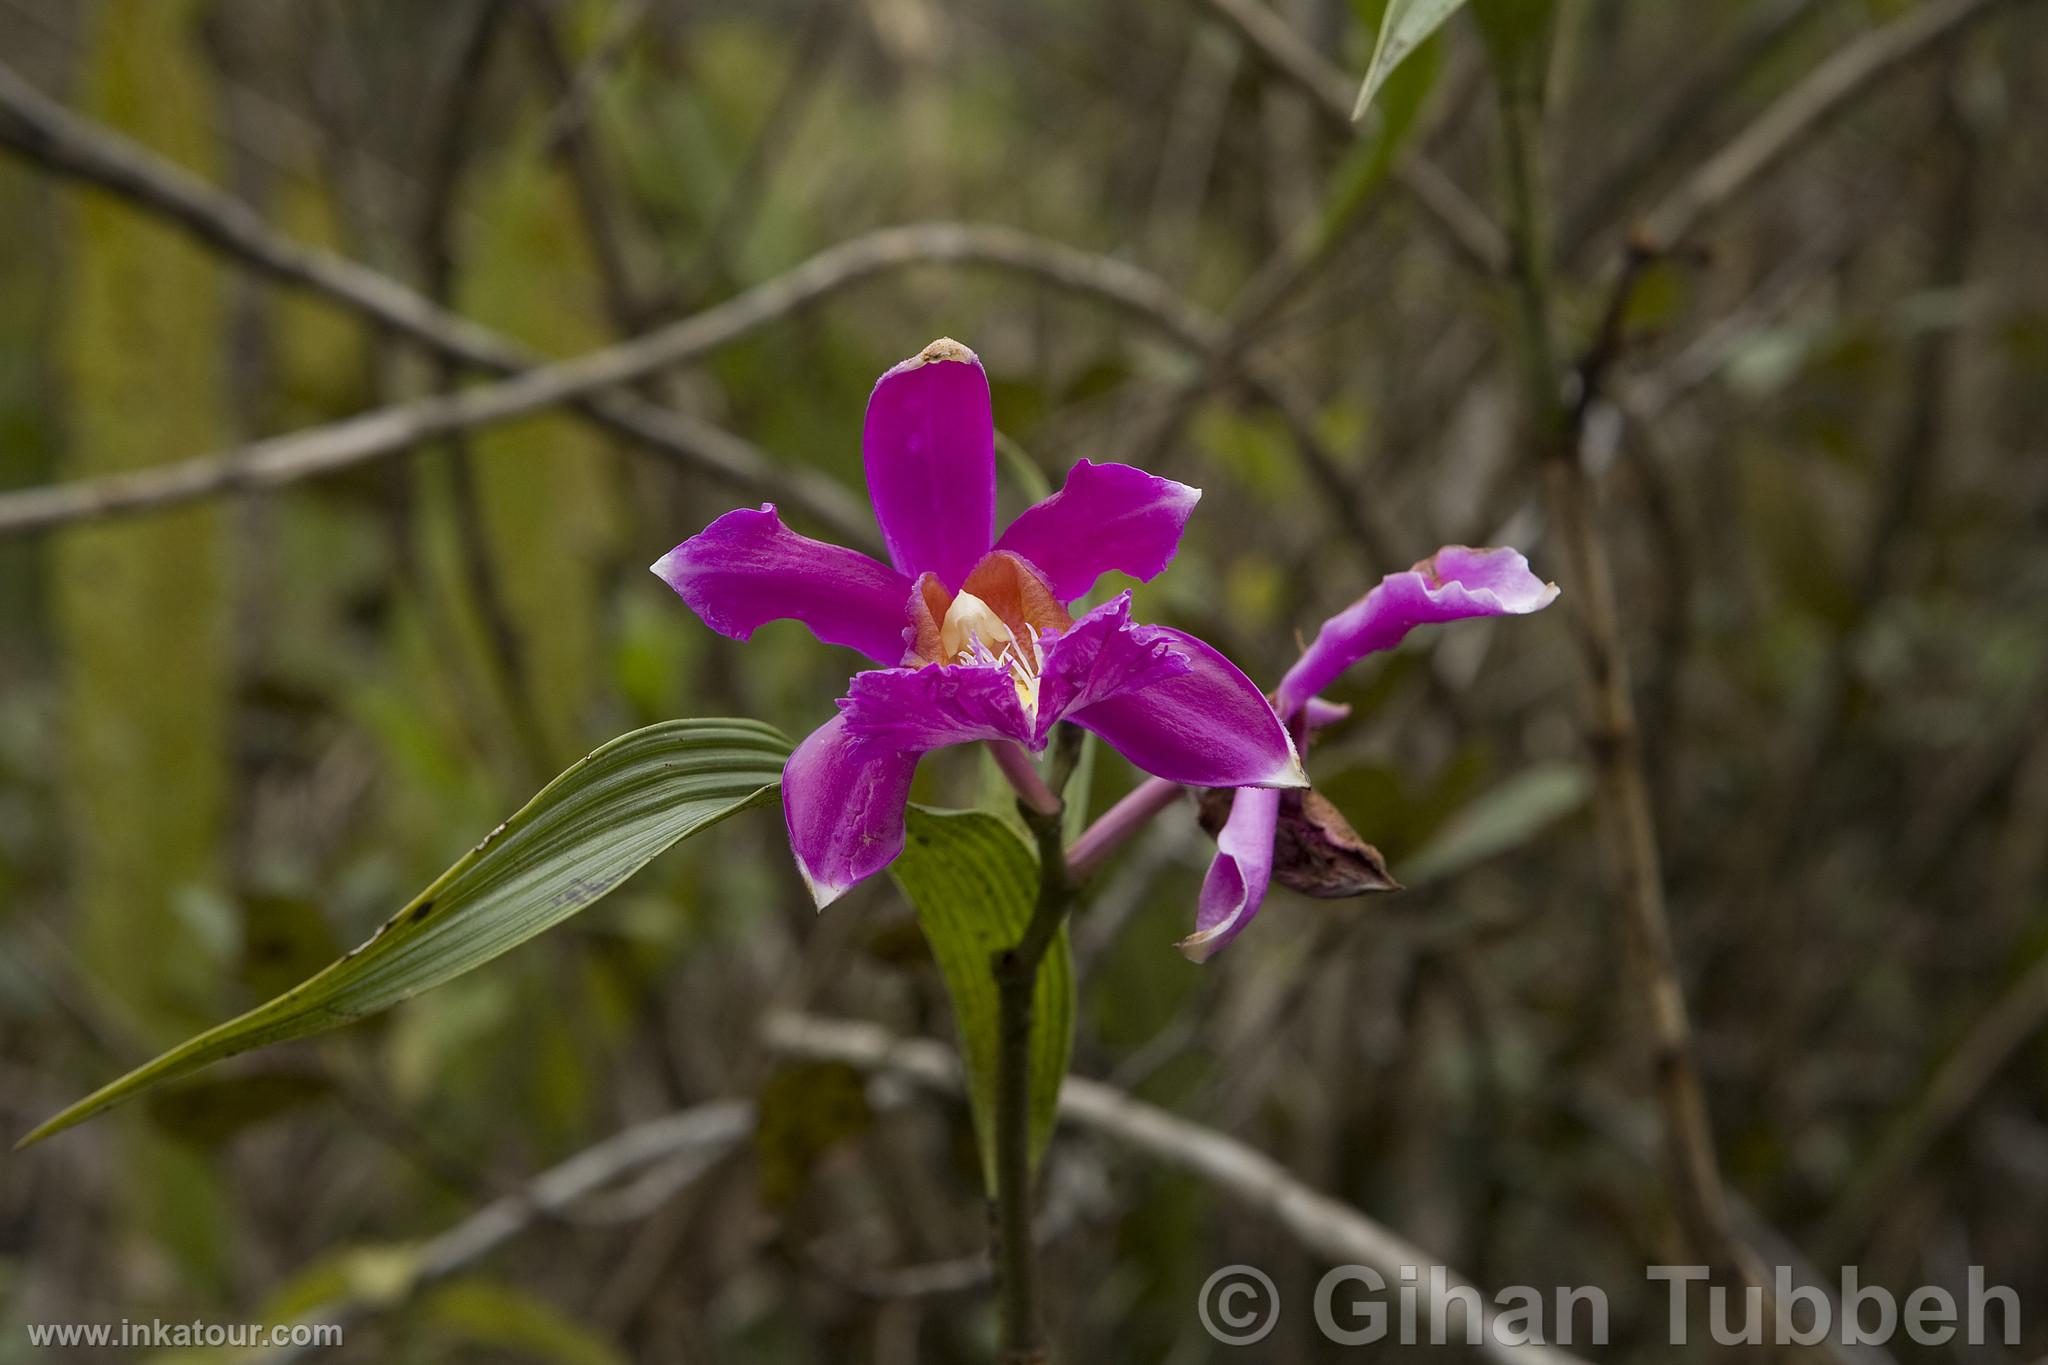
{"type": "Point", "coordinates": [1200, 947]}
{"type": "Point", "coordinates": [822, 893]}
{"type": "Point", "coordinates": [1291, 777]}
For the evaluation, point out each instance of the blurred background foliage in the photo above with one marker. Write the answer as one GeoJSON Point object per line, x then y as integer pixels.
{"type": "Point", "coordinates": [236, 734]}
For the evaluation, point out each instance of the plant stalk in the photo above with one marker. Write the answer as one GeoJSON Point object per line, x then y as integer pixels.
{"type": "Point", "coordinates": [1691, 1168]}
{"type": "Point", "coordinates": [1016, 973]}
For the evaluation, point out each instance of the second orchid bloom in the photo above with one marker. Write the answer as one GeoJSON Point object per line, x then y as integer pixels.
{"type": "Point", "coordinates": [1454, 584]}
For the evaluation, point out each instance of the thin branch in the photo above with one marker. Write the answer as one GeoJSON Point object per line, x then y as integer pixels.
{"type": "Point", "coordinates": [2019, 1015]}
{"type": "Point", "coordinates": [1627, 825]}
{"type": "Point", "coordinates": [1464, 226]}
{"type": "Point", "coordinates": [697, 1137]}
{"type": "Point", "coordinates": [1849, 73]}
{"type": "Point", "coordinates": [571, 142]}
{"type": "Point", "coordinates": [44, 132]}
{"type": "Point", "coordinates": [1920, 435]}
{"type": "Point", "coordinates": [342, 445]}
{"type": "Point", "coordinates": [448, 159]}
{"type": "Point", "coordinates": [1683, 118]}
{"type": "Point", "coordinates": [1324, 1226]}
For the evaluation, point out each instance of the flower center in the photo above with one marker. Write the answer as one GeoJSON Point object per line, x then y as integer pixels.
{"type": "Point", "coordinates": [972, 633]}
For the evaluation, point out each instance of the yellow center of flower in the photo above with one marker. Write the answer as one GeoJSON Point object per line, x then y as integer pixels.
{"type": "Point", "coordinates": [972, 633]}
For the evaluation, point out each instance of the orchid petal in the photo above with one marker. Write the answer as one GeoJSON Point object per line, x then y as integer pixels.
{"type": "Point", "coordinates": [919, 709]}
{"type": "Point", "coordinates": [1103, 656]}
{"type": "Point", "coordinates": [843, 799]}
{"type": "Point", "coordinates": [929, 450]}
{"type": "Point", "coordinates": [747, 569]}
{"type": "Point", "coordinates": [1208, 727]}
{"type": "Point", "coordinates": [1451, 585]}
{"type": "Point", "coordinates": [1107, 516]}
{"type": "Point", "coordinates": [1320, 715]}
{"type": "Point", "coordinates": [1239, 876]}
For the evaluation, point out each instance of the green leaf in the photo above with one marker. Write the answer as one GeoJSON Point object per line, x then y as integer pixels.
{"type": "Point", "coordinates": [1504, 818]}
{"type": "Point", "coordinates": [1406, 24]}
{"type": "Point", "coordinates": [973, 883]}
{"type": "Point", "coordinates": [586, 832]}
{"type": "Point", "coordinates": [1368, 162]}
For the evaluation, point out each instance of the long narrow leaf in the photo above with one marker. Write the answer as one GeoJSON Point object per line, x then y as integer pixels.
{"type": "Point", "coordinates": [1402, 29]}
{"type": "Point", "coordinates": [973, 883]}
{"type": "Point", "coordinates": [586, 832]}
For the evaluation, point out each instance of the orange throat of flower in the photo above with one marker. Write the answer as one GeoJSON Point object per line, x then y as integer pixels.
{"type": "Point", "coordinates": [999, 618]}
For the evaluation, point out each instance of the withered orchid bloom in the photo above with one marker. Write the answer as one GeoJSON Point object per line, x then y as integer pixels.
{"type": "Point", "coordinates": [1454, 584]}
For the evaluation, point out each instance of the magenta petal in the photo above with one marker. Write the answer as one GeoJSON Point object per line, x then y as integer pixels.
{"type": "Point", "coordinates": [920, 709]}
{"type": "Point", "coordinates": [1208, 727]}
{"type": "Point", "coordinates": [1108, 516]}
{"type": "Point", "coordinates": [1100, 656]}
{"type": "Point", "coordinates": [1452, 584]}
{"type": "Point", "coordinates": [843, 800]}
{"type": "Point", "coordinates": [747, 569]}
{"type": "Point", "coordinates": [1319, 714]}
{"type": "Point", "coordinates": [929, 448]}
{"type": "Point", "coordinates": [1238, 878]}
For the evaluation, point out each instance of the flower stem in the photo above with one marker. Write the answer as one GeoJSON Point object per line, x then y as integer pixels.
{"type": "Point", "coordinates": [1016, 974]}
{"type": "Point", "coordinates": [1022, 774]}
{"type": "Point", "coordinates": [1119, 823]}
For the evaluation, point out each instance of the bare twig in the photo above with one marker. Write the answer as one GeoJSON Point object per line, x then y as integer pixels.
{"type": "Point", "coordinates": [1920, 438]}
{"type": "Point", "coordinates": [697, 1137]}
{"type": "Point", "coordinates": [447, 161]}
{"type": "Point", "coordinates": [43, 131]}
{"type": "Point", "coordinates": [571, 142]}
{"type": "Point", "coordinates": [1629, 836]}
{"type": "Point", "coordinates": [568, 117]}
{"type": "Point", "coordinates": [1851, 72]}
{"type": "Point", "coordinates": [1324, 1226]}
{"type": "Point", "coordinates": [2018, 1015]}
{"type": "Point", "coordinates": [1682, 120]}
{"type": "Point", "coordinates": [1463, 225]}
{"type": "Point", "coordinates": [342, 445]}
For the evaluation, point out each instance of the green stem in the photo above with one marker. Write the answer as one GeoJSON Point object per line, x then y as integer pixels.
{"type": "Point", "coordinates": [1016, 973]}
{"type": "Point", "coordinates": [1529, 272]}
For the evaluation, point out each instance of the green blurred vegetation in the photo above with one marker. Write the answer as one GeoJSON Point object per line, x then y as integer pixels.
{"type": "Point", "coordinates": [236, 735]}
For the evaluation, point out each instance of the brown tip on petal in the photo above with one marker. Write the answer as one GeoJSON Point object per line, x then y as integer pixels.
{"type": "Point", "coordinates": [1315, 850]}
{"type": "Point", "coordinates": [945, 348]}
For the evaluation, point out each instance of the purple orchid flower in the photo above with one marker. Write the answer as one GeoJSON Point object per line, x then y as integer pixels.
{"type": "Point", "coordinates": [1451, 585]}
{"type": "Point", "coordinates": [972, 631]}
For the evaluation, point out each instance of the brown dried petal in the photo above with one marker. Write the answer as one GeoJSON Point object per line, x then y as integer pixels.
{"type": "Point", "coordinates": [1315, 849]}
